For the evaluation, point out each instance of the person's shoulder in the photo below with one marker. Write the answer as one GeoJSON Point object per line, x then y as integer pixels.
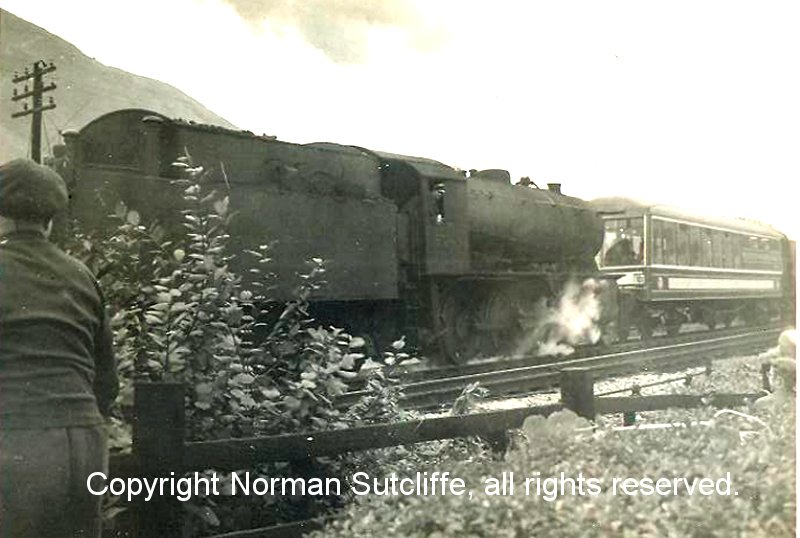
{"type": "Point", "coordinates": [74, 263]}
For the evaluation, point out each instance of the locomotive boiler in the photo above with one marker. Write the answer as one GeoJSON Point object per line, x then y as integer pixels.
{"type": "Point", "coordinates": [456, 261]}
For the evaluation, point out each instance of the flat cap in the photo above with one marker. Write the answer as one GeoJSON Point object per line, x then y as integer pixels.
{"type": "Point", "coordinates": [30, 191]}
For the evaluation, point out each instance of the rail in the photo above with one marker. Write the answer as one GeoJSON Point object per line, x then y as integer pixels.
{"type": "Point", "coordinates": [526, 379]}
{"type": "Point", "coordinates": [488, 365]}
{"type": "Point", "coordinates": [636, 388]}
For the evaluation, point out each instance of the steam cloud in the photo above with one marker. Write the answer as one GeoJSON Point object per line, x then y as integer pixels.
{"type": "Point", "coordinates": [573, 320]}
{"type": "Point", "coordinates": [340, 28]}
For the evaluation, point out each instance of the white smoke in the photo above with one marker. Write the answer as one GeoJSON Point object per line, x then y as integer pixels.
{"type": "Point", "coordinates": [572, 320]}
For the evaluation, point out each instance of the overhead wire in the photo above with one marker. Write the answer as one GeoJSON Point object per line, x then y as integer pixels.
{"type": "Point", "coordinates": [46, 135]}
{"type": "Point", "coordinates": [83, 106]}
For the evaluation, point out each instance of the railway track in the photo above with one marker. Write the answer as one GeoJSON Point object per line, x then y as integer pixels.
{"type": "Point", "coordinates": [527, 374]}
{"type": "Point", "coordinates": [497, 363]}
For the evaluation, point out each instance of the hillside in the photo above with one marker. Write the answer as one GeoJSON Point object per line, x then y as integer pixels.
{"type": "Point", "coordinates": [86, 88]}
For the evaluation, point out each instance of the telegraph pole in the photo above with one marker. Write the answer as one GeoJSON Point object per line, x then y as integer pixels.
{"type": "Point", "coordinates": [36, 92]}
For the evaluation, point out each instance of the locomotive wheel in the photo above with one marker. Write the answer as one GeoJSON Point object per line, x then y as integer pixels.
{"type": "Point", "coordinates": [458, 332]}
{"type": "Point", "coordinates": [673, 329]}
{"type": "Point", "coordinates": [727, 320]}
{"type": "Point", "coordinates": [673, 319]}
{"type": "Point", "coordinates": [645, 327]}
{"type": "Point", "coordinates": [623, 333]}
{"type": "Point", "coordinates": [500, 320]}
{"type": "Point", "coordinates": [614, 334]}
{"type": "Point", "coordinates": [708, 316]}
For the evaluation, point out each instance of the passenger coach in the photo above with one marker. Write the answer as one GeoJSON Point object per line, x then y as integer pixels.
{"type": "Point", "coordinates": [674, 267]}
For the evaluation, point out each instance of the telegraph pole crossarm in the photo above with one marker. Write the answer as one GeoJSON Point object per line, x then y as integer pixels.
{"type": "Point", "coordinates": [40, 68]}
{"type": "Point", "coordinates": [41, 71]}
{"type": "Point", "coordinates": [20, 96]}
{"type": "Point", "coordinates": [42, 108]}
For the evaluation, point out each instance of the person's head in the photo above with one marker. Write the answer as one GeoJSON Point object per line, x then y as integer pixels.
{"type": "Point", "coordinates": [30, 195]}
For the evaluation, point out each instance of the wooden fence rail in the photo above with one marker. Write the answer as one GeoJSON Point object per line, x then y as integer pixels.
{"type": "Point", "coordinates": [159, 447]}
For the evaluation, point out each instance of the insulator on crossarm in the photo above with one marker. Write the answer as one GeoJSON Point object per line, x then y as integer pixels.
{"type": "Point", "coordinates": [51, 100]}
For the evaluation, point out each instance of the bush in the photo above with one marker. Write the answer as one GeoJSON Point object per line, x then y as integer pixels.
{"type": "Point", "coordinates": [251, 366]}
{"type": "Point", "coordinates": [758, 452]}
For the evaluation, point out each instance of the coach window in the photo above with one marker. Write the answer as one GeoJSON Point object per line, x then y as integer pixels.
{"type": "Point", "coordinates": [615, 251]}
{"type": "Point", "coordinates": [773, 252]}
{"type": "Point", "coordinates": [670, 231]}
{"type": "Point", "coordinates": [738, 245]}
{"type": "Point", "coordinates": [636, 231]}
{"type": "Point", "coordinates": [683, 245]}
{"type": "Point", "coordinates": [750, 255]}
{"type": "Point", "coordinates": [716, 248]}
{"type": "Point", "coordinates": [658, 240]}
{"type": "Point", "coordinates": [727, 250]}
{"type": "Point", "coordinates": [663, 241]}
{"type": "Point", "coordinates": [695, 247]}
{"type": "Point", "coordinates": [705, 248]}
{"type": "Point", "coordinates": [623, 243]}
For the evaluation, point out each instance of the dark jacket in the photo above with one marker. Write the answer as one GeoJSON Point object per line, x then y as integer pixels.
{"type": "Point", "coordinates": [57, 366]}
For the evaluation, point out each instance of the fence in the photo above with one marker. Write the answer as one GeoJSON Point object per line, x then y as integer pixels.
{"type": "Point", "coordinates": [159, 447]}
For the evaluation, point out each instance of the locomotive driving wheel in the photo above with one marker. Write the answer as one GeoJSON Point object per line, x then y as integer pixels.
{"type": "Point", "coordinates": [645, 326]}
{"type": "Point", "coordinates": [458, 335]}
{"type": "Point", "coordinates": [500, 319]}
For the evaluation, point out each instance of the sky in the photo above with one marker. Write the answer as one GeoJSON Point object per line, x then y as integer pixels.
{"type": "Point", "coordinates": [688, 103]}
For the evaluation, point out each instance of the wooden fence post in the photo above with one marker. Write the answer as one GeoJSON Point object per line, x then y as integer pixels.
{"type": "Point", "coordinates": [765, 382]}
{"type": "Point", "coordinates": [629, 419]}
{"type": "Point", "coordinates": [158, 432]}
{"type": "Point", "coordinates": [577, 391]}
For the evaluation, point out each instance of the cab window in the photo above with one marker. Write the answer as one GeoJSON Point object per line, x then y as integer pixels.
{"type": "Point", "coordinates": [623, 243]}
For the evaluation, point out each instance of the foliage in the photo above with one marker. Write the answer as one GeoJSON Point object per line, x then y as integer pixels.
{"type": "Point", "coordinates": [381, 401]}
{"type": "Point", "coordinates": [756, 447]}
{"type": "Point", "coordinates": [251, 366]}
{"type": "Point", "coordinates": [126, 263]}
{"type": "Point", "coordinates": [470, 398]}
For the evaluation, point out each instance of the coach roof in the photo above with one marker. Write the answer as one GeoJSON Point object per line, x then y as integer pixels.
{"type": "Point", "coordinates": [611, 205]}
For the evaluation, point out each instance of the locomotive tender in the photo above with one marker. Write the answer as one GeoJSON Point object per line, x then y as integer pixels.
{"type": "Point", "coordinates": [674, 267]}
{"type": "Point", "coordinates": [454, 260]}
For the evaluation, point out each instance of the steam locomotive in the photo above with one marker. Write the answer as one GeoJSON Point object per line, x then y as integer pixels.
{"type": "Point", "coordinates": [464, 262]}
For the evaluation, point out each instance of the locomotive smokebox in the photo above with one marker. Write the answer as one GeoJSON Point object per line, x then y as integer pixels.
{"type": "Point", "coordinates": [518, 226]}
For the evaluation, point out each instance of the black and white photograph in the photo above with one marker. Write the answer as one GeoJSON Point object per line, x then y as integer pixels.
{"type": "Point", "coordinates": [398, 268]}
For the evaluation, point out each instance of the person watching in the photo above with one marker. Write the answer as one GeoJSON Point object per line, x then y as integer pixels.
{"type": "Point", "coordinates": [58, 375]}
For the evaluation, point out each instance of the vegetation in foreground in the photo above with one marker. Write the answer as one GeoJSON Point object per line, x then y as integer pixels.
{"type": "Point", "coordinates": [254, 368]}
{"type": "Point", "coordinates": [251, 366]}
{"type": "Point", "coordinates": [756, 446]}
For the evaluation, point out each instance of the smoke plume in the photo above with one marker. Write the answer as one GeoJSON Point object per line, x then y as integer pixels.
{"type": "Point", "coordinates": [340, 28]}
{"type": "Point", "coordinates": [572, 320]}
